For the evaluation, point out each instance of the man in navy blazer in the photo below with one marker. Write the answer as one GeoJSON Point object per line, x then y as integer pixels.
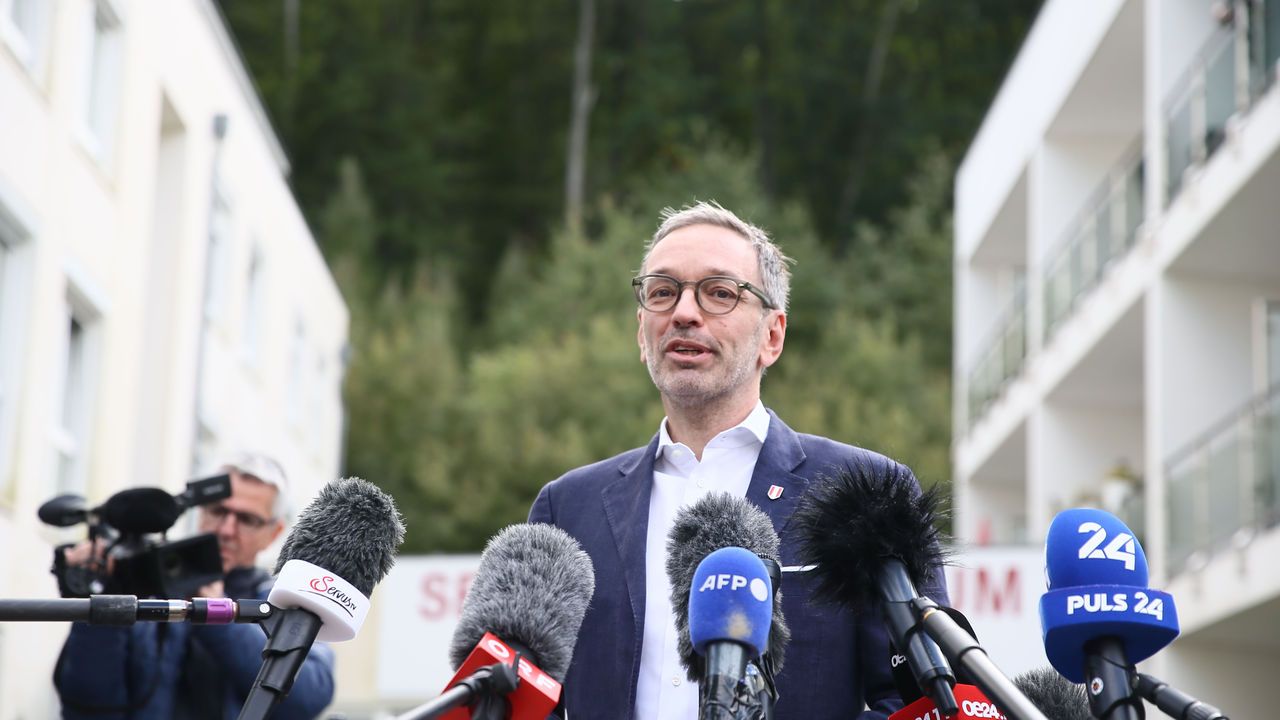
{"type": "Point", "coordinates": [706, 351]}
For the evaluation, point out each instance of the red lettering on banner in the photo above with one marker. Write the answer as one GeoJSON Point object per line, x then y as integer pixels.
{"type": "Point", "coordinates": [434, 602]}
{"type": "Point", "coordinates": [464, 586]}
{"type": "Point", "coordinates": [1000, 600]}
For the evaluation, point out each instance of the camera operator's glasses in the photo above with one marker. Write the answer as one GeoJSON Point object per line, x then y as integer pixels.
{"type": "Point", "coordinates": [716, 295]}
{"type": "Point", "coordinates": [218, 513]}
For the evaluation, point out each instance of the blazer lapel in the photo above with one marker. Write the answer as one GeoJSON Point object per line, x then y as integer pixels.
{"type": "Point", "coordinates": [780, 454]}
{"type": "Point", "coordinates": [626, 507]}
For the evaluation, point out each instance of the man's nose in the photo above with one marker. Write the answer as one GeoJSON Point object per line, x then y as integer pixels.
{"type": "Point", "coordinates": [228, 524]}
{"type": "Point", "coordinates": [687, 311]}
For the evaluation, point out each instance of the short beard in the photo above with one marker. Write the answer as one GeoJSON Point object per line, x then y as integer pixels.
{"type": "Point", "coordinates": [696, 394]}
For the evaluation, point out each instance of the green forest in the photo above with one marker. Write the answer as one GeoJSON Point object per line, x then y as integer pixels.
{"type": "Point", "coordinates": [482, 178]}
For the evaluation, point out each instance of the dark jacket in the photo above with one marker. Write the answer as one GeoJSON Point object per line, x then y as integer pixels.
{"type": "Point", "coordinates": [160, 671]}
{"type": "Point", "coordinates": [836, 662]}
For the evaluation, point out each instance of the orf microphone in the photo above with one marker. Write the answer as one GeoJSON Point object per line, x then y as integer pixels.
{"type": "Point", "coordinates": [730, 613]}
{"type": "Point", "coordinates": [343, 543]}
{"type": "Point", "coordinates": [1098, 616]}
{"type": "Point", "coordinates": [869, 532]}
{"type": "Point", "coordinates": [518, 628]}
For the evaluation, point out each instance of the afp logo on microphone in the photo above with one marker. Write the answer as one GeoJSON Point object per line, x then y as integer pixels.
{"type": "Point", "coordinates": [719, 581]}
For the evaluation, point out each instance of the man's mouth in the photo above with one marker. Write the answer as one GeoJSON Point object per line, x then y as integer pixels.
{"type": "Point", "coordinates": [687, 348]}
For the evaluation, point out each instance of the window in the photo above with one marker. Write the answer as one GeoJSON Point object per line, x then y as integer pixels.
{"type": "Point", "coordinates": [74, 404]}
{"type": "Point", "coordinates": [251, 327]}
{"type": "Point", "coordinates": [24, 26]}
{"type": "Point", "coordinates": [15, 279]}
{"type": "Point", "coordinates": [101, 78]}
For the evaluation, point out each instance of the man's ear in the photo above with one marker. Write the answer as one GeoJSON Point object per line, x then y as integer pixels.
{"type": "Point", "coordinates": [775, 335]}
{"type": "Point", "coordinates": [276, 532]}
{"type": "Point", "coordinates": [640, 335]}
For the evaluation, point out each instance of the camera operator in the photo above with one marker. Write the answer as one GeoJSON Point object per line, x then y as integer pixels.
{"type": "Point", "coordinates": [161, 670]}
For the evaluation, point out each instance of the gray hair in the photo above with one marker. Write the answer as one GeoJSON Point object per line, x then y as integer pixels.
{"type": "Point", "coordinates": [775, 276]}
{"type": "Point", "coordinates": [268, 471]}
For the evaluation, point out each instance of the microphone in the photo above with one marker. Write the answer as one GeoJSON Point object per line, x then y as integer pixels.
{"type": "Point", "coordinates": [519, 624]}
{"type": "Point", "coordinates": [63, 511]}
{"type": "Point", "coordinates": [730, 615]}
{"type": "Point", "coordinates": [1098, 616]}
{"type": "Point", "coordinates": [971, 704]}
{"type": "Point", "coordinates": [716, 521]}
{"type": "Point", "coordinates": [1057, 697]}
{"type": "Point", "coordinates": [1175, 703]}
{"type": "Point", "coordinates": [905, 681]}
{"type": "Point", "coordinates": [141, 510]}
{"type": "Point", "coordinates": [343, 543]}
{"type": "Point", "coordinates": [970, 698]}
{"type": "Point", "coordinates": [870, 534]}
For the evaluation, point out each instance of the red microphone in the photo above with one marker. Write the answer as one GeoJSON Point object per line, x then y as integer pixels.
{"type": "Point", "coordinates": [973, 706]}
{"type": "Point", "coordinates": [535, 696]}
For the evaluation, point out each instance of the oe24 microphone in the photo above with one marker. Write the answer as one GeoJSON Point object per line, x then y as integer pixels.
{"type": "Point", "coordinates": [1098, 616]}
{"type": "Point", "coordinates": [518, 628]}
{"type": "Point", "coordinates": [974, 705]}
{"type": "Point", "coordinates": [730, 615]}
{"type": "Point", "coordinates": [905, 681]}
{"type": "Point", "coordinates": [343, 543]}
{"type": "Point", "coordinates": [869, 533]}
{"type": "Point", "coordinates": [715, 521]}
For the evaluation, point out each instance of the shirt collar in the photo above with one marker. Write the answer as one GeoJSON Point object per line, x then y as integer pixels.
{"type": "Point", "coordinates": [754, 427]}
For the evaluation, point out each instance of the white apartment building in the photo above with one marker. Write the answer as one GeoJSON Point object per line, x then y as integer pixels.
{"type": "Point", "coordinates": [162, 300]}
{"type": "Point", "coordinates": [1117, 322]}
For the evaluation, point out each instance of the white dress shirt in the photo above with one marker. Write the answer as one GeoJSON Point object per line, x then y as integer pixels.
{"type": "Point", "coordinates": [680, 479]}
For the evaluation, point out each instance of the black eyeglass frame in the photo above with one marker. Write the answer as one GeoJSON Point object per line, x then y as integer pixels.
{"type": "Point", "coordinates": [250, 521]}
{"type": "Point", "coordinates": [638, 281]}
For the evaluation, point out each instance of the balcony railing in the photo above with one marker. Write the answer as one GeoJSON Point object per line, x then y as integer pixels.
{"type": "Point", "coordinates": [1105, 229]}
{"type": "Point", "coordinates": [1001, 357]}
{"type": "Point", "coordinates": [1226, 482]}
{"type": "Point", "coordinates": [1233, 69]}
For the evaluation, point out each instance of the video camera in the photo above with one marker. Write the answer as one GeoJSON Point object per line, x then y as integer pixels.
{"type": "Point", "coordinates": [133, 523]}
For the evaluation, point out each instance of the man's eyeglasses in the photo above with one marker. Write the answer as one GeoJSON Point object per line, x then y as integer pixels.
{"type": "Point", "coordinates": [716, 294]}
{"type": "Point", "coordinates": [218, 513]}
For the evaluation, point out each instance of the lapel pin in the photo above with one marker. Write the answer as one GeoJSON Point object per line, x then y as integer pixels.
{"type": "Point", "coordinates": [775, 492]}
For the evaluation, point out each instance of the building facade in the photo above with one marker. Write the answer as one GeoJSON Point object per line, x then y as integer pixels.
{"type": "Point", "coordinates": [162, 300]}
{"type": "Point", "coordinates": [1117, 322]}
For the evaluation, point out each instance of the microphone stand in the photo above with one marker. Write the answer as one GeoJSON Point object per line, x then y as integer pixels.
{"type": "Point", "coordinates": [485, 690]}
{"type": "Point", "coordinates": [1175, 703]}
{"type": "Point", "coordinates": [959, 646]}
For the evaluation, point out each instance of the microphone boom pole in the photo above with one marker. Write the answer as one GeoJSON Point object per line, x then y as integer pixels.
{"type": "Point", "coordinates": [1175, 703]}
{"type": "Point", "coordinates": [959, 647]}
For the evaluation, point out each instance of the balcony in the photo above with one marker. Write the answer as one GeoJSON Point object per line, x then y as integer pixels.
{"type": "Point", "coordinates": [1236, 66]}
{"type": "Point", "coordinates": [1226, 485]}
{"type": "Point", "coordinates": [1002, 357]}
{"type": "Point", "coordinates": [1104, 230]}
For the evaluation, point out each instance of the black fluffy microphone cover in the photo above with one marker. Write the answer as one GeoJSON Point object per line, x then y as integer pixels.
{"type": "Point", "coordinates": [352, 529]}
{"type": "Point", "coordinates": [1055, 696]}
{"type": "Point", "coordinates": [532, 589]}
{"type": "Point", "coordinates": [718, 520]}
{"type": "Point", "coordinates": [141, 510]}
{"type": "Point", "coordinates": [850, 523]}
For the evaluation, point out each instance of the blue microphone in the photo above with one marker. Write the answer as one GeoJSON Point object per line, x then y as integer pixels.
{"type": "Point", "coordinates": [1098, 616]}
{"type": "Point", "coordinates": [730, 613]}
